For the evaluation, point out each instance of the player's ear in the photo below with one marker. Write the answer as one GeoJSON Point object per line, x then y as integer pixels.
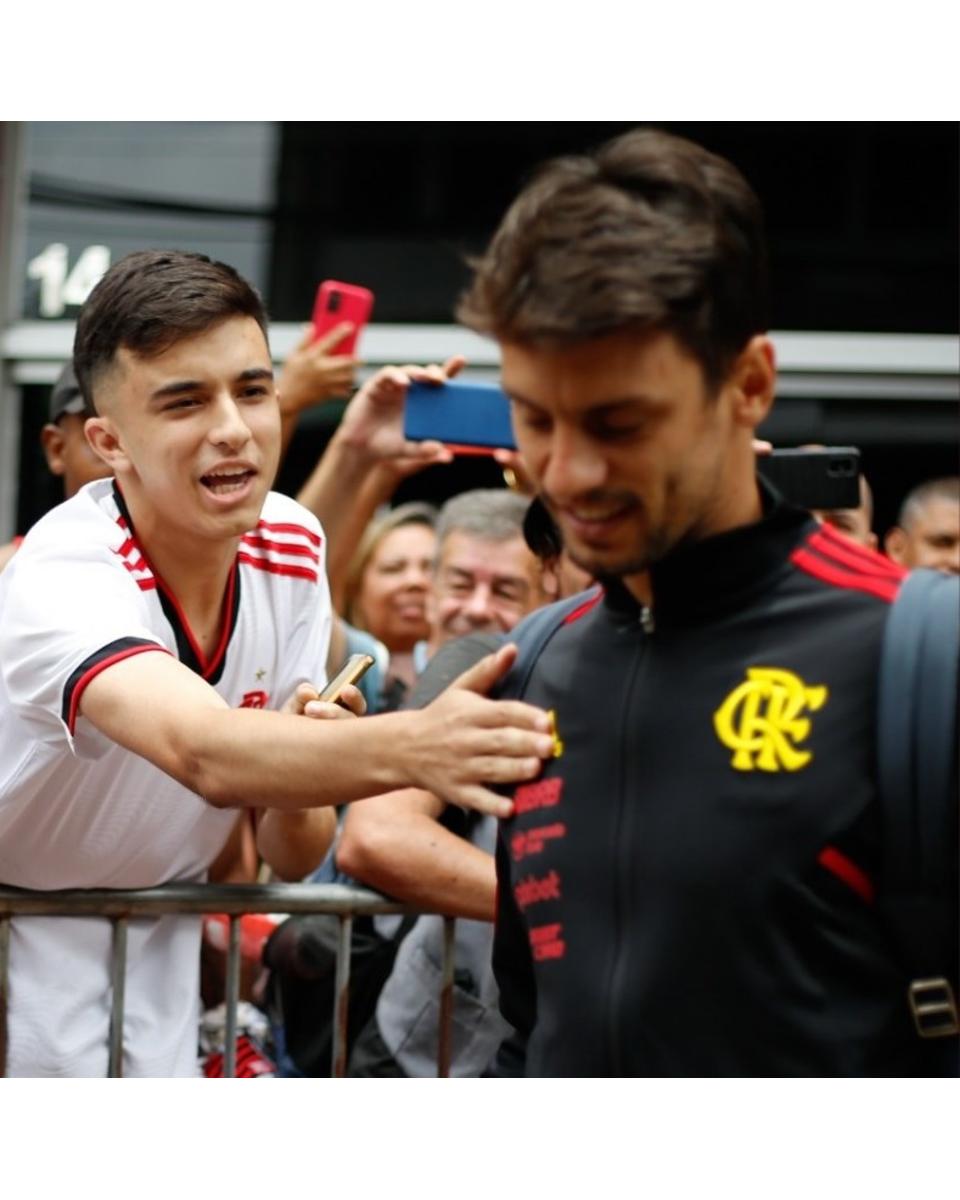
{"type": "Point", "coordinates": [52, 441]}
{"type": "Point", "coordinates": [752, 382]}
{"type": "Point", "coordinates": [895, 545]}
{"type": "Point", "coordinates": [105, 441]}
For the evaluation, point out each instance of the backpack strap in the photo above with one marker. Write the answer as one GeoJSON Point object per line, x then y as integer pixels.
{"type": "Point", "coordinates": [532, 635]}
{"type": "Point", "coordinates": [917, 765]}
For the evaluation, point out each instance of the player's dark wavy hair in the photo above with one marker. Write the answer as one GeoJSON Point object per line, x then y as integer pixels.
{"type": "Point", "coordinates": [151, 299]}
{"type": "Point", "coordinates": [651, 232]}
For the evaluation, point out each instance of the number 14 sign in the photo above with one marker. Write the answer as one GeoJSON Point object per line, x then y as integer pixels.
{"type": "Point", "coordinates": [60, 288]}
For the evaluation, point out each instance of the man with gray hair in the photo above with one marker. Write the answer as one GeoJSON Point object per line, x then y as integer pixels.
{"type": "Point", "coordinates": [927, 533]}
{"type": "Point", "coordinates": [413, 845]}
{"type": "Point", "coordinates": [485, 577]}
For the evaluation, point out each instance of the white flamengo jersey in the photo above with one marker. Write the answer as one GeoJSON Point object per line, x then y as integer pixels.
{"type": "Point", "coordinates": [79, 811]}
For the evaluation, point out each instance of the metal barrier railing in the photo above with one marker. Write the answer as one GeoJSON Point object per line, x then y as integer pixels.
{"type": "Point", "coordinates": [235, 901]}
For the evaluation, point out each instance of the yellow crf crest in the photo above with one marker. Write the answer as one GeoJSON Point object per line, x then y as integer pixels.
{"type": "Point", "coordinates": [762, 720]}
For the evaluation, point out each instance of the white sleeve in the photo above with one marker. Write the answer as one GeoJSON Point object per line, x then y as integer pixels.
{"type": "Point", "coordinates": [64, 620]}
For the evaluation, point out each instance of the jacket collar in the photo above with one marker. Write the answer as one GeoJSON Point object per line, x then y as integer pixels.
{"type": "Point", "coordinates": [703, 581]}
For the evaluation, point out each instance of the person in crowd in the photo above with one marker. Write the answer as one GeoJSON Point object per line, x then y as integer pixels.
{"type": "Point", "coordinates": [927, 532]}
{"type": "Point", "coordinates": [311, 375]}
{"type": "Point", "coordinates": [856, 523]}
{"type": "Point", "coordinates": [68, 453]}
{"type": "Point", "coordinates": [687, 889]}
{"type": "Point", "coordinates": [290, 845]}
{"type": "Point", "coordinates": [387, 590]}
{"type": "Point", "coordinates": [148, 628]}
{"type": "Point", "coordinates": [418, 847]}
{"type": "Point", "coordinates": [485, 575]}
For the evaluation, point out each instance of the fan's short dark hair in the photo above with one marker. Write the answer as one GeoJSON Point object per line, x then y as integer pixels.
{"type": "Point", "coordinates": [151, 299]}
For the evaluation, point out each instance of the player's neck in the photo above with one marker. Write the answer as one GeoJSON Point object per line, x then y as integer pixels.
{"type": "Point", "coordinates": [195, 570]}
{"type": "Point", "coordinates": [740, 505]}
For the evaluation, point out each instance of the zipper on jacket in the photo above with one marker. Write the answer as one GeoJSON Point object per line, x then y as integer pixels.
{"type": "Point", "coordinates": [614, 999]}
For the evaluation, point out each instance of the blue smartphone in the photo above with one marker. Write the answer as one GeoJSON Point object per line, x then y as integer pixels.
{"type": "Point", "coordinates": [471, 418]}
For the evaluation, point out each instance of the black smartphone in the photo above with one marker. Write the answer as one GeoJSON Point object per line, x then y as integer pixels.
{"type": "Point", "coordinates": [356, 666]}
{"type": "Point", "coordinates": [824, 478]}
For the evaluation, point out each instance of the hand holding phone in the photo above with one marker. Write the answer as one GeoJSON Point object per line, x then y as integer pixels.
{"type": "Point", "coordinates": [373, 421]}
{"type": "Point", "coordinates": [469, 418]}
{"type": "Point", "coordinates": [337, 303]}
{"type": "Point", "coordinates": [312, 373]}
{"type": "Point", "coordinates": [353, 669]}
{"type": "Point", "coordinates": [822, 478]}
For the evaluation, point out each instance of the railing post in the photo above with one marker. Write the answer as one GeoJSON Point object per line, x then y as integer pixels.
{"type": "Point", "coordinates": [341, 1000]}
{"type": "Point", "coordinates": [118, 980]}
{"type": "Point", "coordinates": [4, 990]}
{"type": "Point", "coordinates": [121, 905]}
{"type": "Point", "coordinates": [231, 996]}
{"type": "Point", "coordinates": [446, 1000]}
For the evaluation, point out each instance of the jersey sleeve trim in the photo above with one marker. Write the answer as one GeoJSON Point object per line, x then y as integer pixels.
{"type": "Point", "coordinates": [91, 667]}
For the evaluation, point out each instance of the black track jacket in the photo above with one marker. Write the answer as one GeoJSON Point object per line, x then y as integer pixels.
{"type": "Point", "coordinates": [688, 889]}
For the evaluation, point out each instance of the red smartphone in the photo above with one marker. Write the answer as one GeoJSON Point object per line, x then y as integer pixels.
{"type": "Point", "coordinates": [338, 302]}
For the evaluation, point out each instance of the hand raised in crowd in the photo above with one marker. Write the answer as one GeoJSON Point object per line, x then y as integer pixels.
{"type": "Point", "coordinates": [314, 373]}
{"type": "Point", "coordinates": [373, 421]}
{"type": "Point", "coordinates": [367, 458]}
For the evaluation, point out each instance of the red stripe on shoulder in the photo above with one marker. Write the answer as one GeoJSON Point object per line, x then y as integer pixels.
{"type": "Point", "coordinates": [831, 859]}
{"type": "Point", "coordinates": [828, 541]}
{"type": "Point", "coordinates": [287, 527]}
{"type": "Point", "coordinates": [294, 549]}
{"type": "Point", "coordinates": [837, 576]}
{"type": "Point", "coordinates": [275, 568]}
{"type": "Point", "coordinates": [582, 609]}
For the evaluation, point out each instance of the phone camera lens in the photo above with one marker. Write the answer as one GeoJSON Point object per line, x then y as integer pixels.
{"type": "Point", "coordinates": [334, 303]}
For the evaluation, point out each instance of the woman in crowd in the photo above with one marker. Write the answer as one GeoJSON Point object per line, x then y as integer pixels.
{"type": "Point", "coordinates": [386, 591]}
